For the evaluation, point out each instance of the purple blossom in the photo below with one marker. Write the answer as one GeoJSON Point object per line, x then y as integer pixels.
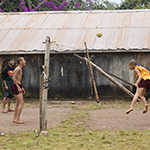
{"type": "Point", "coordinates": [52, 4]}
{"type": "Point", "coordinates": [25, 9]}
{"type": "Point", "coordinates": [88, 8]}
{"type": "Point", "coordinates": [21, 3]}
{"type": "Point", "coordinates": [77, 5]}
{"type": "Point", "coordinates": [36, 8]}
{"type": "Point", "coordinates": [1, 10]}
{"type": "Point", "coordinates": [30, 8]}
{"type": "Point", "coordinates": [55, 7]}
{"type": "Point", "coordinates": [65, 3]}
{"type": "Point", "coordinates": [61, 7]}
{"type": "Point", "coordinates": [49, 4]}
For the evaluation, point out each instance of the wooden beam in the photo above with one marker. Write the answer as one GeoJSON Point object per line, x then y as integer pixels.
{"type": "Point", "coordinates": [92, 75]}
{"type": "Point", "coordinates": [110, 78]}
{"type": "Point", "coordinates": [45, 85]}
{"type": "Point", "coordinates": [107, 76]}
{"type": "Point", "coordinates": [119, 78]}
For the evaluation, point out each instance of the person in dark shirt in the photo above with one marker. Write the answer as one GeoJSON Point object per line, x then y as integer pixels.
{"type": "Point", "coordinates": [7, 75]}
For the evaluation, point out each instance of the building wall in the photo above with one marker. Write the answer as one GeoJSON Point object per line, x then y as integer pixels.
{"type": "Point", "coordinates": [76, 79]}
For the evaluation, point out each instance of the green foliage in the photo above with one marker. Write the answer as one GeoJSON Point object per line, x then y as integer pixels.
{"type": "Point", "coordinates": [37, 5]}
{"type": "Point", "coordinates": [135, 4]}
{"type": "Point", "coordinates": [111, 5]}
{"type": "Point", "coordinates": [104, 5]}
{"type": "Point", "coordinates": [10, 6]}
{"type": "Point", "coordinates": [1, 94]}
{"type": "Point", "coordinates": [44, 5]}
{"type": "Point", "coordinates": [125, 4]}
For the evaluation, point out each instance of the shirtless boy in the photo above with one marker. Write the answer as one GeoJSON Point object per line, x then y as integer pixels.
{"type": "Point", "coordinates": [142, 84]}
{"type": "Point", "coordinates": [18, 90]}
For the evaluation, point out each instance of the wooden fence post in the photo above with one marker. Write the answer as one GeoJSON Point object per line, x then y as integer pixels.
{"type": "Point", "coordinates": [92, 75]}
{"type": "Point", "coordinates": [41, 94]}
{"type": "Point", "coordinates": [44, 93]}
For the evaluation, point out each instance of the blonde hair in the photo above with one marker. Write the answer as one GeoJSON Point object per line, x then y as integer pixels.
{"type": "Point", "coordinates": [132, 62]}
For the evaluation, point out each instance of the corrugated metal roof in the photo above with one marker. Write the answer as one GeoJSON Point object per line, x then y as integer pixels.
{"type": "Point", "coordinates": [127, 30]}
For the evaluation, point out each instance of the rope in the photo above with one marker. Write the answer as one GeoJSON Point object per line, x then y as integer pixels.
{"type": "Point", "coordinates": [51, 78]}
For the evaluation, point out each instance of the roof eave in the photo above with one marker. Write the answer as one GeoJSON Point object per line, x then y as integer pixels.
{"type": "Point", "coordinates": [75, 51]}
{"type": "Point", "coordinates": [73, 12]}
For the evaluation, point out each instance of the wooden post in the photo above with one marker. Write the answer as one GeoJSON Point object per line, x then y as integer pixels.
{"type": "Point", "coordinates": [43, 120]}
{"type": "Point", "coordinates": [110, 78]}
{"type": "Point", "coordinates": [91, 70]}
{"type": "Point", "coordinates": [41, 94]}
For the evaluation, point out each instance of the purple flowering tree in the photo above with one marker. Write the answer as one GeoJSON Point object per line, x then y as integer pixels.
{"type": "Point", "coordinates": [44, 5]}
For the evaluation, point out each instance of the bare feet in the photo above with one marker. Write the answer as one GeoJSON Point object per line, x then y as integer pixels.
{"type": "Point", "coordinates": [10, 110]}
{"type": "Point", "coordinates": [145, 109]}
{"type": "Point", "coordinates": [4, 111]}
{"type": "Point", "coordinates": [19, 121]}
{"type": "Point", "coordinates": [129, 110]}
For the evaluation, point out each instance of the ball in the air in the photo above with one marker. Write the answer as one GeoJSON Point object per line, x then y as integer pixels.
{"type": "Point", "coordinates": [99, 34]}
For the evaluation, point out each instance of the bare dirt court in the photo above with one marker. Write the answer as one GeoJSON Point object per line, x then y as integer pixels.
{"type": "Point", "coordinates": [102, 119]}
{"type": "Point", "coordinates": [116, 119]}
{"type": "Point", "coordinates": [31, 117]}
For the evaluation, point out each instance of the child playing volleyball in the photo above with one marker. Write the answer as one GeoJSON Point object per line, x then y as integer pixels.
{"type": "Point", "coordinates": [142, 84]}
{"type": "Point", "coordinates": [18, 90]}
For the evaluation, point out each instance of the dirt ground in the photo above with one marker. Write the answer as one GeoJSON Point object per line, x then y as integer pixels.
{"type": "Point", "coordinates": [102, 119]}
{"type": "Point", "coordinates": [116, 119]}
{"type": "Point", "coordinates": [31, 117]}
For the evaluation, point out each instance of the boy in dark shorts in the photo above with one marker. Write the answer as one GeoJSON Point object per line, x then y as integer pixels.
{"type": "Point", "coordinates": [18, 90]}
{"type": "Point", "coordinates": [142, 84]}
{"type": "Point", "coordinates": [7, 75]}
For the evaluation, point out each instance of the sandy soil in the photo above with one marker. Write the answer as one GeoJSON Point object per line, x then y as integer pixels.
{"type": "Point", "coordinates": [31, 117]}
{"type": "Point", "coordinates": [102, 119]}
{"type": "Point", "coordinates": [115, 119]}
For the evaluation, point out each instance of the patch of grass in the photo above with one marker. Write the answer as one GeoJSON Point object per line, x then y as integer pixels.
{"type": "Point", "coordinates": [106, 104]}
{"type": "Point", "coordinates": [92, 140]}
{"type": "Point", "coordinates": [80, 105]}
